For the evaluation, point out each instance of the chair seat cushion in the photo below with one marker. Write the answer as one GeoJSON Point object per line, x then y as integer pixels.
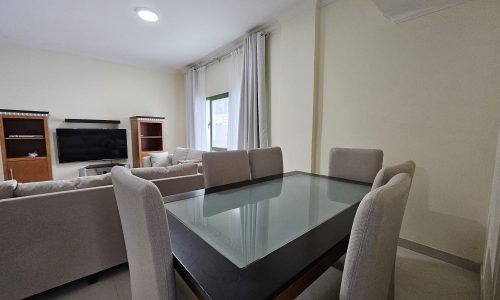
{"type": "Point", "coordinates": [327, 286]}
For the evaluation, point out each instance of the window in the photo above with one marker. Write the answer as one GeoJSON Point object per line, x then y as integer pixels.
{"type": "Point", "coordinates": [217, 121]}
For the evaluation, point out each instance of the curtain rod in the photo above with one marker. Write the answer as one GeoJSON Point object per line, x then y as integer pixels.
{"type": "Point", "coordinates": [224, 54]}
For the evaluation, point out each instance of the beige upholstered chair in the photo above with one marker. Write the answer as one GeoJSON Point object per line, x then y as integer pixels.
{"type": "Point", "coordinates": [220, 168]}
{"type": "Point", "coordinates": [371, 253]}
{"type": "Point", "coordinates": [147, 238]}
{"type": "Point", "coordinates": [265, 162]}
{"type": "Point", "coordinates": [384, 175]}
{"type": "Point", "coordinates": [355, 164]}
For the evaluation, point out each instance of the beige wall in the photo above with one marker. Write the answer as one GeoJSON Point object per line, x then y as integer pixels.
{"type": "Point", "coordinates": [76, 87]}
{"type": "Point", "coordinates": [426, 90]}
{"type": "Point", "coordinates": [291, 82]}
{"type": "Point", "coordinates": [217, 78]}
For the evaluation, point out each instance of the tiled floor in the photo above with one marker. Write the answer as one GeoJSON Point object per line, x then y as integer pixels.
{"type": "Point", "coordinates": [422, 277]}
{"type": "Point", "coordinates": [418, 277]}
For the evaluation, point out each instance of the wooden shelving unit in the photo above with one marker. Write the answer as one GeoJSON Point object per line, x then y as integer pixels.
{"type": "Point", "coordinates": [16, 127]}
{"type": "Point", "coordinates": [147, 137]}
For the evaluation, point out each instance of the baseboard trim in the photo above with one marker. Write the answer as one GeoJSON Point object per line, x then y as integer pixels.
{"type": "Point", "coordinates": [441, 255]}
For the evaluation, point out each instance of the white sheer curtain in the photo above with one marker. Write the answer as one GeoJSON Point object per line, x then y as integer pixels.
{"type": "Point", "coordinates": [196, 109]}
{"type": "Point", "coordinates": [235, 77]}
{"type": "Point", "coordinates": [253, 123]}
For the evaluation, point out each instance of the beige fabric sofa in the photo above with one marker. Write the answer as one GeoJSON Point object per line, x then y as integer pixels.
{"type": "Point", "coordinates": [180, 156]}
{"type": "Point", "coordinates": [54, 238]}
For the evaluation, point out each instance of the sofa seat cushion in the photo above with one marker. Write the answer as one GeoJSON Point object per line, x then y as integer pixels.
{"type": "Point", "coordinates": [93, 181]}
{"type": "Point", "coordinates": [160, 159]}
{"type": "Point", "coordinates": [160, 172]}
{"type": "Point", "coordinates": [7, 189]}
{"type": "Point", "coordinates": [45, 187]}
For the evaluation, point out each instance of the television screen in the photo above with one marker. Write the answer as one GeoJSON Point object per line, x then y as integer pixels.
{"type": "Point", "coordinates": [91, 144]}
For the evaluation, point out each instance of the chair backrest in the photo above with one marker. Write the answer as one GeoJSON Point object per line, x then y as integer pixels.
{"type": "Point", "coordinates": [265, 162]}
{"type": "Point", "coordinates": [386, 173]}
{"type": "Point", "coordinates": [355, 164]}
{"type": "Point", "coordinates": [147, 238]}
{"type": "Point", "coordinates": [371, 253]}
{"type": "Point", "coordinates": [220, 168]}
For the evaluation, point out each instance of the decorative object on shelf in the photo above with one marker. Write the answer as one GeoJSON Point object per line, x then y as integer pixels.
{"type": "Point", "coordinates": [25, 144]}
{"type": "Point", "coordinates": [92, 121]}
{"type": "Point", "coordinates": [147, 137]}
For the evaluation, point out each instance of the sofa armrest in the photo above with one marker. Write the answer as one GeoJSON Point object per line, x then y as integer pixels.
{"type": "Point", "coordinates": [146, 162]}
{"type": "Point", "coordinates": [181, 184]}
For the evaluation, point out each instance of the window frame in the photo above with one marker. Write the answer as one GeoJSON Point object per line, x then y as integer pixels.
{"type": "Point", "coordinates": [211, 99]}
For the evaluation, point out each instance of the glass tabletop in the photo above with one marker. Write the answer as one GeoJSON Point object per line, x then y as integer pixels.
{"type": "Point", "coordinates": [245, 224]}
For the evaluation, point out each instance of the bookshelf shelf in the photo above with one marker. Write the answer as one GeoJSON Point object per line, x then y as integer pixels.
{"type": "Point", "coordinates": [147, 137]}
{"type": "Point", "coordinates": [21, 134]}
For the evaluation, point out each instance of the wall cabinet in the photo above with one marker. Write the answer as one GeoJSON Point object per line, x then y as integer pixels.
{"type": "Point", "coordinates": [147, 137]}
{"type": "Point", "coordinates": [21, 133]}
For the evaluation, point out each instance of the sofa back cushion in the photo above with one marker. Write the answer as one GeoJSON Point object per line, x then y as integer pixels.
{"type": "Point", "coordinates": [7, 189]}
{"type": "Point", "coordinates": [93, 181]}
{"type": "Point", "coordinates": [160, 172]}
{"type": "Point", "coordinates": [45, 187]}
{"type": "Point", "coordinates": [195, 155]}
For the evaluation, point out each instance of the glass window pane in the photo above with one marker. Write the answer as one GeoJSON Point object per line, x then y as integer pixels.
{"type": "Point", "coordinates": [220, 121]}
{"type": "Point", "coordinates": [208, 119]}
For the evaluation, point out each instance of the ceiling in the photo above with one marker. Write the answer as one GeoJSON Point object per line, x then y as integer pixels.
{"type": "Point", "coordinates": [110, 29]}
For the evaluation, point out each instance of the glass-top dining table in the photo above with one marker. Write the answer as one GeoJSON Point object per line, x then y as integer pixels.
{"type": "Point", "coordinates": [262, 239]}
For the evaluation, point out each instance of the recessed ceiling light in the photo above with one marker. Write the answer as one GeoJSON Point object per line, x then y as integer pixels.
{"type": "Point", "coordinates": [146, 14]}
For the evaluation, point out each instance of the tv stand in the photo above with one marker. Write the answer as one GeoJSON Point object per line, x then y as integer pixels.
{"type": "Point", "coordinates": [100, 168]}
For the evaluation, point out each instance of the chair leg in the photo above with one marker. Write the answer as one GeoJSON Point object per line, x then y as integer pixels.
{"type": "Point", "coordinates": [390, 295]}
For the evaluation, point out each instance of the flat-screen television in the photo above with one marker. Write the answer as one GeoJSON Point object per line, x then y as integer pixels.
{"type": "Point", "coordinates": [91, 144]}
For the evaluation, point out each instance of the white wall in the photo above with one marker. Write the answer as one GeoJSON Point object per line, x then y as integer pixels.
{"type": "Point", "coordinates": [291, 82]}
{"type": "Point", "coordinates": [426, 90]}
{"type": "Point", "coordinates": [76, 87]}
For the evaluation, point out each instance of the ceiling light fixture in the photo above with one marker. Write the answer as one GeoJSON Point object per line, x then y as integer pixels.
{"type": "Point", "coordinates": [146, 14]}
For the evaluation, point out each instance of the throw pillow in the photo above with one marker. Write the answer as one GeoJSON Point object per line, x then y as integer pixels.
{"type": "Point", "coordinates": [160, 159]}
{"type": "Point", "coordinates": [179, 154]}
{"type": "Point", "coordinates": [7, 189]}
